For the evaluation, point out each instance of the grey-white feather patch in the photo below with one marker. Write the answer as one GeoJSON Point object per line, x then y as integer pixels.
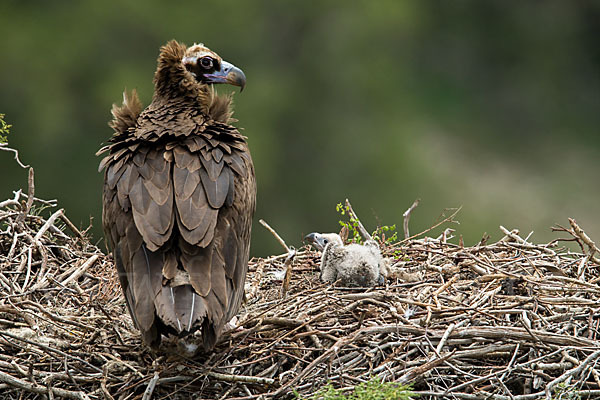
{"type": "Point", "coordinates": [176, 316]}
{"type": "Point", "coordinates": [192, 311]}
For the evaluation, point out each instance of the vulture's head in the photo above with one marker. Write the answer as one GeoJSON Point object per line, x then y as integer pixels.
{"type": "Point", "coordinates": [207, 67]}
{"type": "Point", "coordinates": [320, 240]}
{"type": "Point", "coordinates": [192, 71]}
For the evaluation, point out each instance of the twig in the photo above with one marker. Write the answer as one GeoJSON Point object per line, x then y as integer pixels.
{"type": "Point", "coordinates": [51, 349]}
{"type": "Point", "coordinates": [71, 226]}
{"type": "Point", "coordinates": [586, 239]}
{"type": "Point", "coordinates": [450, 218]}
{"type": "Point", "coordinates": [511, 362]}
{"type": "Point", "coordinates": [241, 378]}
{"type": "Point", "coordinates": [275, 234]}
{"type": "Point", "coordinates": [420, 370]}
{"type": "Point", "coordinates": [150, 388]}
{"type": "Point", "coordinates": [361, 229]}
{"type": "Point", "coordinates": [28, 274]}
{"type": "Point", "coordinates": [326, 355]}
{"type": "Point", "coordinates": [446, 285]}
{"type": "Point", "coordinates": [30, 191]}
{"type": "Point", "coordinates": [80, 271]}
{"type": "Point", "coordinates": [30, 196]}
{"type": "Point", "coordinates": [47, 225]}
{"type": "Point", "coordinates": [291, 253]}
{"type": "Point", "coordinates": [570, 373]}
{"type": "Point", "coordinates": [406, 216]}
{"type": "Point", "coordinates": [444, 338]}
{"type": "Point", "coordinates": [31, 387]}
{"type": "Point", "coordinates": [484, 378]}
{"type": "Point", "coordinates": [4, 147]}
{"type": "Point", "coordinates": [512, 235]}
{"type": "Point", "coordinates": [11, 202]}
{"type": "Point", "coordinates": [287, 264]}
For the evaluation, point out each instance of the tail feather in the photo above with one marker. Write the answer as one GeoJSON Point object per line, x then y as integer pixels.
{"type": "Point", "coordinates": [165, 308]}
{"type": "Point", "coordinates": [189, 307]}
{"type": "Point", "coordinates": [180, 308]}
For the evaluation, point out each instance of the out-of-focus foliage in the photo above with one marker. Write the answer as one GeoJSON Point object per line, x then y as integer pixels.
{"type": "Point", "coordinates": [484, 104]}
{"type": "Point", "coordinates": [4, 129]}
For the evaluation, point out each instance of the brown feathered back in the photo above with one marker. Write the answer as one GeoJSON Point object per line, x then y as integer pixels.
{"type": "Point", "coordinates": [179, 195]}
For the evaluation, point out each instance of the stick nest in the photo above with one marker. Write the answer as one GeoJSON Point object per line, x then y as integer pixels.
{"type": "Point", "coordinates": [508, 320]}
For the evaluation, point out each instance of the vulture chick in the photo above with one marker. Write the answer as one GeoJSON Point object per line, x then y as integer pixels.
{"type": "Point", "coordinates": [352, 265]}
{"type": "Point", "coordinates": [178, 199]}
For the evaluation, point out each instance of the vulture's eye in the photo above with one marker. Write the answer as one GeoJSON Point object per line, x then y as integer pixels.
{"type": "Point", "coordinates": [206, 62]}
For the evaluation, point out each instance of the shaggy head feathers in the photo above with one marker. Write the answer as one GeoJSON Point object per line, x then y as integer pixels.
{"type": "Point", "coordinates": [173, 79]}
{"type": "Point", "coordinates": [125, 115]}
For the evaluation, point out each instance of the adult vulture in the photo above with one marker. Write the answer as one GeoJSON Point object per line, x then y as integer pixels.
{"type": "Point", "coordinates": [178, 199]}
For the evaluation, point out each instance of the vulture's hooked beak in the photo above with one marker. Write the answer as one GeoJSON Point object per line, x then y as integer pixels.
{"type": "Point", "coordinates": [228, 73]}
{"type": "Point", "coordinates": [316, 240]}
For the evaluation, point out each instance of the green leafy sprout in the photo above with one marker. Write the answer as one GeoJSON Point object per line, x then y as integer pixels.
{"type": "Point", "coordinates": [374, 389]}
{"type": "Point", "coordinates": [383, 234]}
{"type": "Point", "coordinates": [351, 224]}
{"type": "Point", "coordinates": [564, 391]}
{"type": "Point", "coordinates": [386, 234]}
{"type": "Point", "coordinates": [4, 130]}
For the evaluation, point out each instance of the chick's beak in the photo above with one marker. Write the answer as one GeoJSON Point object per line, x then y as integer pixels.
{"type": "Point", "coordinates": [315, 240]}
{"type": "Point", "coordinates": [228, 73]}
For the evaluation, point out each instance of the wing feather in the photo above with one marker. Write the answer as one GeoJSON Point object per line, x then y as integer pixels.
{"type": "Point", "coordinates": [196, 262]}
{"type": "Point", "coordinates": [213, 168]}
{"type": "Point", "coordinates": [145, 277]}
{"type": "Point", "coordinates": [113, 174]}
{"type": "Point", "coordinates": [216, 190]}
{"type": "Point", "coordinates": [151, 199]}
{"type": "Point", "coordinates": [218, 284]}
{"type": "Point", "coordinates": [195, 213]}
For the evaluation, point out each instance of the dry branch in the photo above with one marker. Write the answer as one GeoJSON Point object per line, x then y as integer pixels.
{"type": "Point", "coordinates": [406, 216]}
{"type": "Point", "coordinates": [287, 264]}
{"type": "Point", "coordinates": [4, 147]}
{"type": "Point", "coordinates": [578, 232]}
{"type": "Point", "coordinates": [361, 229]}
{"type": "Point", "coordinates": [32, 387]}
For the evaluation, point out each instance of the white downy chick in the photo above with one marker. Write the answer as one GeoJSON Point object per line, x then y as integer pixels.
{"type": "Point", "coordinates": [353, 265]}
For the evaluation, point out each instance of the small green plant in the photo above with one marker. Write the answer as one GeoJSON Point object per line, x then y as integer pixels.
{"type": "Point", "coordinates": [351, 224]}
{"type": "Point", "coordinates": [374, 389]}
{"type": "Point", "coordinates": [386, 234]}
{"type": "Point", "coordinates": [4, 130]}
{"type": "Point", "coordinates": [564, 391]}
{"type": "Point", "coordinates": [399, 255]}
{"type": "Point", "coordinates": [383, 234]}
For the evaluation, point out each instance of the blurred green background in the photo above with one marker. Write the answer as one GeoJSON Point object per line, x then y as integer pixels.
{"type": "Point", "coordinates": [491, 105]}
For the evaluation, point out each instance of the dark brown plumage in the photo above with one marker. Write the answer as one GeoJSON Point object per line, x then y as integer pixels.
{"type": "Point", "coordinates": [178, 199]}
